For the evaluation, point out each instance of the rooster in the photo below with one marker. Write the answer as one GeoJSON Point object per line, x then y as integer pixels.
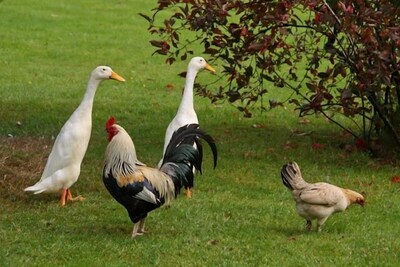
{"type": "Point", "coordinates": [141, 189]}
{"type": "Point", "coordinates": [319, 200]}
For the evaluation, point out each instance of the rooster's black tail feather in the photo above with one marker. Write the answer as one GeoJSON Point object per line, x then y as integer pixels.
{"type": "Point", "coordinates": [180, 156]}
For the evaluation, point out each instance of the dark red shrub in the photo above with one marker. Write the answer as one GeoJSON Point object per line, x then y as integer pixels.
{"type": "Point", "coordinates": [338, 57]}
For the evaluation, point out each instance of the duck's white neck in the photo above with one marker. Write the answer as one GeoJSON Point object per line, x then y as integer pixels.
{"type": "Point", "coordinates": [88, 98]}
{"type": "Point", "coordinates": [187, 97]}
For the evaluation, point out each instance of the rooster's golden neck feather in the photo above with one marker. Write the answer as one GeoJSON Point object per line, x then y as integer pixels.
{"type": "Point", "coordinates": [120, 156]}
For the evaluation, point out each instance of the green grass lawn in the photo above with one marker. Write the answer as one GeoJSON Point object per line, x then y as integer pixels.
{"type": "Point", "coordinates": [240, 213]}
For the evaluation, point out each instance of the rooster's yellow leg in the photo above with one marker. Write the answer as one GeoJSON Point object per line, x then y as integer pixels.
{"type": "Point", "coordinates": [141, 227]}
{"type": "Point", "coordinates": [135, 231]}
{"type": "Point", "coordinates": [73, 199]}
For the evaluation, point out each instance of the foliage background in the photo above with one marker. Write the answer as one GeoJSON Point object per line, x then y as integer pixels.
{"type": "Point", "coordinates": [340, 59]}
{"type": "Point", "coordinates": [240, 214]}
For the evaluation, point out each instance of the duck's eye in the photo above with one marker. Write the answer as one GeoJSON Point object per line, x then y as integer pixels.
{"type": "Point", "coordinates": [104, 69]}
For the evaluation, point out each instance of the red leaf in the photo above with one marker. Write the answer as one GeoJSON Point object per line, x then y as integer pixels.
{"type": "Point", "coordinates": [161, 52]}
{"type": "Point", "coordinates": [328, 96]}
{"type": "Point", "coordinates": [317, 18]}
{"type": "Point", "coordinates": [323, 75]}
{"type": "Point", "coordinates": [157, 43]}
{"type": "Point", "coordinates": [169, 86]}
{"type": "Point", "coordinates": [361, 144]}
{"type": "Point", "coordinates": [255, 47]}
{"type": "Point", "coordinates": [244, 32]}
{"type": "Point", "coordinates": [317, 146]}
{"type": "Point", "coordinates": [211, 51]}
{"type": "Point", "coordinates": [396, 179]}
{"type": "Point", "coordinates": [170, 60]}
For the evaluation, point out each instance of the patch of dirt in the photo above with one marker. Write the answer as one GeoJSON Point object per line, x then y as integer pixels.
{"type": "Point", "coordinates": [22, 160]}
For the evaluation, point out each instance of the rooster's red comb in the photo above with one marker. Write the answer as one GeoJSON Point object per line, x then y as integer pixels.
{"type": "Point", "coordinates": [110, 122]}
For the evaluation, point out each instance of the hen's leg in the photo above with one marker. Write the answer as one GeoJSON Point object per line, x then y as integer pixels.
{"type": "Point", "coordinates": [320, 222]}
{"type": "Point", "coordinates": [308, 225]}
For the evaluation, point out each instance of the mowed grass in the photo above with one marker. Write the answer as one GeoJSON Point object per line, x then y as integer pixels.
{"type": "Point", "coordinates": [240, 214]}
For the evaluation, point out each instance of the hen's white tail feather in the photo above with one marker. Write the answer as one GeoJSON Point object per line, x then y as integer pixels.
{"type": "Point", "coordinates": [291, 176]}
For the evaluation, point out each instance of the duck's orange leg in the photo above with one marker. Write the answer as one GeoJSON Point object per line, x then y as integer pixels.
{"type": "Point", "coordinates": [73, 199]}
{"type": "Point", "coordinates": [63, 196]}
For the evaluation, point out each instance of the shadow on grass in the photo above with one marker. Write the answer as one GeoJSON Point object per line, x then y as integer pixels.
{"type": "Point", "coordinates": [289, 232]}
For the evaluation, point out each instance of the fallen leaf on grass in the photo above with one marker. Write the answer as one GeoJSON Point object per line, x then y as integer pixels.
{"type": "Point", "coordinates": [304, 121]}
{"type": "Point", "coordinates": [347, 147]}
{"type": "Point", "coordinates": [270, 149]}
{"type": "Point", "coordinates": [317, 146]}
{"type": "Point", "coordinates": [361, 144]}
{"type": "Point", "coordinates": [213, 242]}
{"type": "Point", "coordinates": [345, 134]}
{"type": "Point", "coordinates": [298, 132]}
{"type": "Point", "coordinates": [258, 125]}
{"type": "Point", "coordinates": [367, 184]}
{"type": "Point", "coordinates": [249, 154]}
{"type": "Point", "coordinates": [343, 155]}
{"type": "Point", "coordinates": [169, 86]}
{"type": "Point", "coordinates": [289, 145]}
{"type": "Point", "coordinates": [396, 179]}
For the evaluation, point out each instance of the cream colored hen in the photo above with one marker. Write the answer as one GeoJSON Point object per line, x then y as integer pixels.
{"type": "Point", "coordinates": [317, 201]}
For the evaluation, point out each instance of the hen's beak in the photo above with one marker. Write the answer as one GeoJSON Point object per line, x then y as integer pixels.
{"type": "Point", "coordinates": [208, 67]}
{"type": "Point", "coordinates": [115, 76]}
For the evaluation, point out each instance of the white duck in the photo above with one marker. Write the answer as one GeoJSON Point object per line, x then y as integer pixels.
{"type": "Point", "coordinates": [186, 113]}
{"type": "Point", "coordinates": [64, 163]}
